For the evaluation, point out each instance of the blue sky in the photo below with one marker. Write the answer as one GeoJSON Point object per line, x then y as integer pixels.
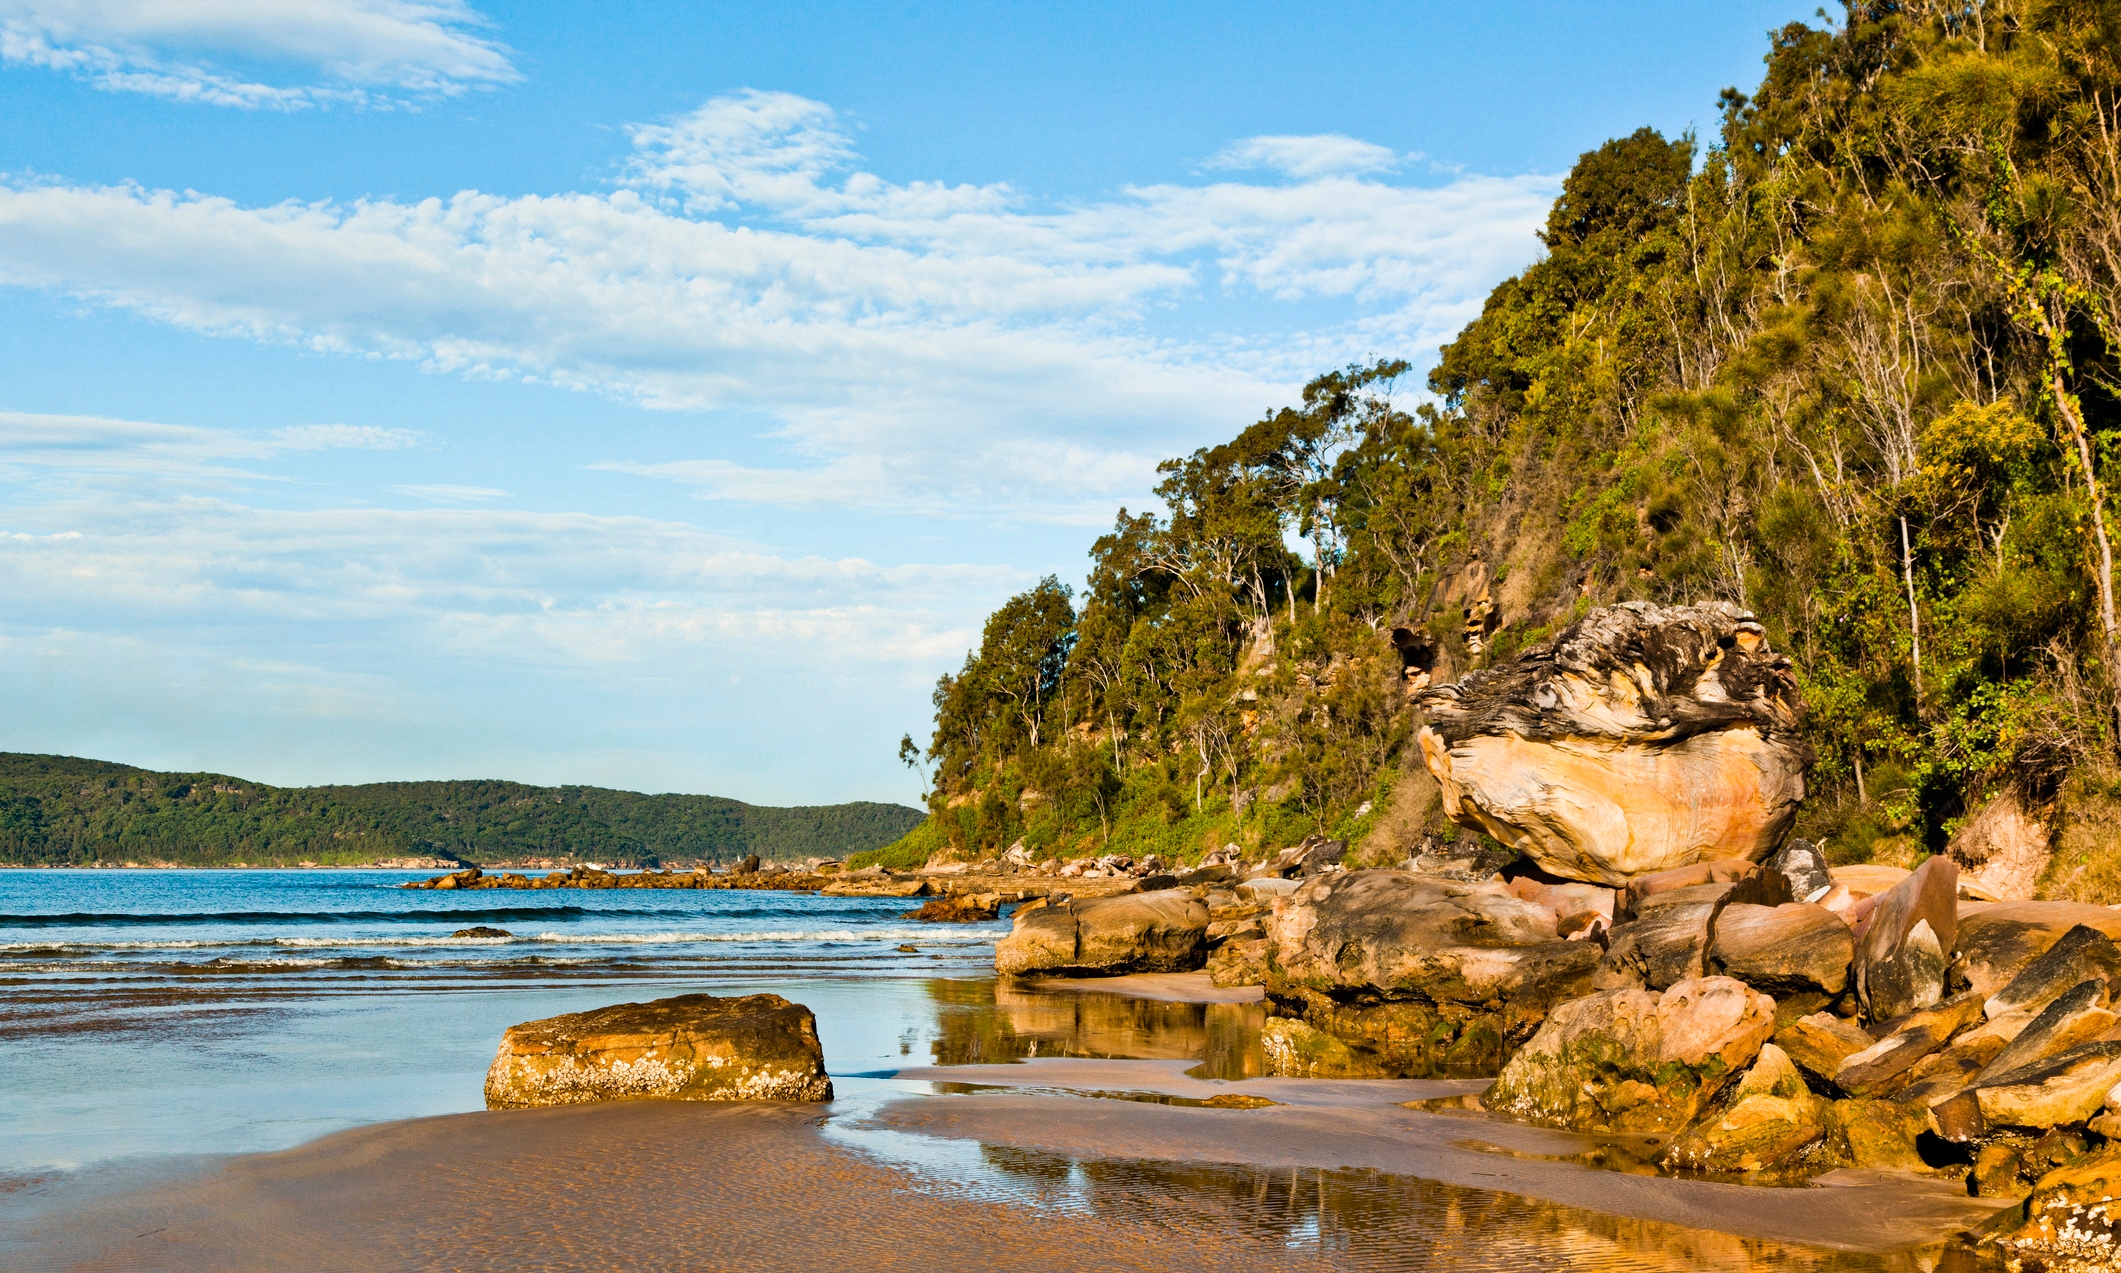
{"type": "Point", "coordinates": [659, 397]}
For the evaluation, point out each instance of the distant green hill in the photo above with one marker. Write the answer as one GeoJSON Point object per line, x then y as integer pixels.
{"type": "Point", "coordinates": [62, 810]}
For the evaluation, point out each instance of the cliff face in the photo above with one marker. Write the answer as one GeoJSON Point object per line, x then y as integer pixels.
{"type": "Point", "coordinates": [1639, 739]}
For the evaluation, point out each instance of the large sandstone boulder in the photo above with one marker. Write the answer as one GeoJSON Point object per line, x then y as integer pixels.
{"type": "Point", "coordinates": [1395, 934]}
{"type": "Point", "coordinates": [1428, 977]}
{"type": "Point", "coordinates": [1635, 1060]}
{"type": "Point", "coordinates": [687, 1048]}
{"type": "Point", "coordinates": [1772, 1117]}
{"type": "Point", "coordinates": [1164, 931]}
{"type": "Point", "coordinates": [2001, 940]}
{"type": "Point", "coordinates": [1638, 739]}
{"type": "Point", "coordinates": [1783, 949]}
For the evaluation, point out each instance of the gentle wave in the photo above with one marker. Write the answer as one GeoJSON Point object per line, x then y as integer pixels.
{"type": "Point", "coordinates": [100, 919]}
{"type": "Point", "coordinates": [927, 937]}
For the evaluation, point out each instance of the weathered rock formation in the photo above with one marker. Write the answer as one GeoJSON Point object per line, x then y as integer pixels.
{"type": "Point", "coordinates": [1428, 977]}
{"type": "Point", "coordinates": [1638, 739]}
{"type": "Point", "coordinates": [687, 1048]}
{"type": "Point", "coordinates": [1164, 931]}
{"type": "Point", "coordinates": [1636, 1060]}
{"type": "Point", "coordinates": [2003, 848]}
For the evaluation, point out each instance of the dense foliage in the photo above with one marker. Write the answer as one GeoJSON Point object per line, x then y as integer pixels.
{"type": "Point", "coordinates": [59, 811]}
{"type": "Point", "coordinates": [1852, 365]}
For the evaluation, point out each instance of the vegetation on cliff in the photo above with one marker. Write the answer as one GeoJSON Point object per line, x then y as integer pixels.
{"type": "Point", "coordinates": [64, 811]}
{"type": "Point", "coordinates": [1851, 364]}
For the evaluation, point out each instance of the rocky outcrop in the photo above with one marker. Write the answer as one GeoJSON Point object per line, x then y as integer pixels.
{"type": "Point", "coordinates": [1904, 941]}
{"type": "Point", "coordinates": [1293, 1049]}
{"type": "Point", "coordinates": [1771, 1118]}
{"type": "Point", "coordinates": [1640, 738]}
{"type": "Point", "coordinates": [1164, 931]}
{"type": "Point", "coordinates": [1635, 1060]}
{"type": "Point", "coordinates": [2071, 1221]}
{"type": "Point", "coordinates": [2003, 848]}
{"type": "Point", "coordinates": [1783, 949]}
{"type": "Point", "coordinates": [1430, 977]}
{"type": "Point", "coordinates": [957, 908]}
{"type": "Point", "coordinates": [688, 1048]}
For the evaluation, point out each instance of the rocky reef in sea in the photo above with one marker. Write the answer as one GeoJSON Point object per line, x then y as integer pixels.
{"type": "Point", "coordinates": [1659, 961]}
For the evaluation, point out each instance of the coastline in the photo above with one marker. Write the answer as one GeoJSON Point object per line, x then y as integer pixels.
{"type": "Point", "coordinates": [1337, 1176]}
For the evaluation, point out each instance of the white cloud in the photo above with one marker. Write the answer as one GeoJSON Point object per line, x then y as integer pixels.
{"type": "Point", "coordinates": [282, 54]}
{"type": "Point", "coordinates": [444, 493]}
{"type": "Point", "coordinates": [1319, 155]}
{"type": "Point", "coordinates": [917, 346]}
{"type": "Point", "coordinates": [74, 447]}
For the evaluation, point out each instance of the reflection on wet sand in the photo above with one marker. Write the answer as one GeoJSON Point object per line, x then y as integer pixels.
{"type": "Point", "coordinates": [1368, 1219]}
{"type": "Point", "coordinates": [987, 1022]}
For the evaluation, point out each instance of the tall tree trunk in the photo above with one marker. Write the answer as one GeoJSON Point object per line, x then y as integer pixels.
{"type": "Point", "coordinates": [1914, 616]}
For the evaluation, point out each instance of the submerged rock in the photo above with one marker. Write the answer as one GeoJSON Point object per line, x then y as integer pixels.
{"type": "Point", "coordinates": [1637, 739]}
{"type": "Point", "coordinates": [1165, 931]}
{"type": "Point", "coordinates": [1635, 1060]}
{"type": "Point", "coordinates": [688, 1048]}
{"type": "Point", "coordinates": [957, 908]}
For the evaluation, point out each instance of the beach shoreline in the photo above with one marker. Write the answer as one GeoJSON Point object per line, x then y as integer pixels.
{"type": "Point", "coordinates": [894, 1175]}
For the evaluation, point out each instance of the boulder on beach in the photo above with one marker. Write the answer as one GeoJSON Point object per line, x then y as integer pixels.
{"type": "Point", "coordinates": [1165, 931]}
{"type": "Point", "coordinates": [1783, 949]}
{"type": "Point", "coordinates": [1429, 977]}
{"type": "Point", "coordinates": [1639, 738]}
{"type": "Point", "coordinates": [688, 1048]}
{"type": "Point", "coordinates": [1635, 1060]}
{"type": "Point", "coordinates": [1772, 1117]}
{"type": "Point", "coordinates": [1394, 934]}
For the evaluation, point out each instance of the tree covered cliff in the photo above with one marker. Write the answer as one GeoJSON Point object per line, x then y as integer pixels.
{"type": "Point", "coordinates": [65, 811]}
{"type": "Point", "coordinates": [1851, 363]}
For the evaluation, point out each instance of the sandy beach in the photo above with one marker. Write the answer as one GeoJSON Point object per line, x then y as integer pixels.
{"type": "Point", "coordinates": [1004, 1167]}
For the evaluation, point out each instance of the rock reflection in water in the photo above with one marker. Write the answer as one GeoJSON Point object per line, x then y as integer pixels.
{"type": "Point", "coordinates": [1345, 1219]}
{"type": "Point", "coordinates": [988, 1022]}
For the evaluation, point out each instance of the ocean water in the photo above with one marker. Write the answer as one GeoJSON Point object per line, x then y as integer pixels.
{"type": "Point", "coordinates": [147, 1014]}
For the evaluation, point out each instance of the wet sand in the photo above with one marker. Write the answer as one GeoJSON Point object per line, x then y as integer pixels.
{"type": "Point", "coordinates": [1357, 1124]}
{"type": "Point", "coordinates": [1337, 1178]}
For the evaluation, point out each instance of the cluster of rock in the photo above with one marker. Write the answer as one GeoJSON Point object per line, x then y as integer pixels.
{"type": "Point", "coordinates": [1660, 960]}
{"type": "Point", "coordinates": [749, 873]}
{"type": "Point", "coordinates": [687, 1048]}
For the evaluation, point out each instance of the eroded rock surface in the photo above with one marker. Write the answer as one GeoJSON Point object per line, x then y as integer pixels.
{"type": "Point", "coordinates": [1640, 738]}
{"type": "Point", "coordinates": [1635, 1060]}
{"type": "Point", "coordinates": [687, 1048]}
{"type": "Point", "coordinates": [1164, 931]}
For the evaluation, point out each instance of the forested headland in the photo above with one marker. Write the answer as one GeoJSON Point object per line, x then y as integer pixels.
{"type": "Point", "coordinates": [1851, 363]}
{"type": "Point", "coordinates": [65, 811]}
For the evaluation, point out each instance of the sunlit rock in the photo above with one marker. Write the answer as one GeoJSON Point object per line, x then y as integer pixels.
{"type": "Point", "coordinates": [1638, 739]}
